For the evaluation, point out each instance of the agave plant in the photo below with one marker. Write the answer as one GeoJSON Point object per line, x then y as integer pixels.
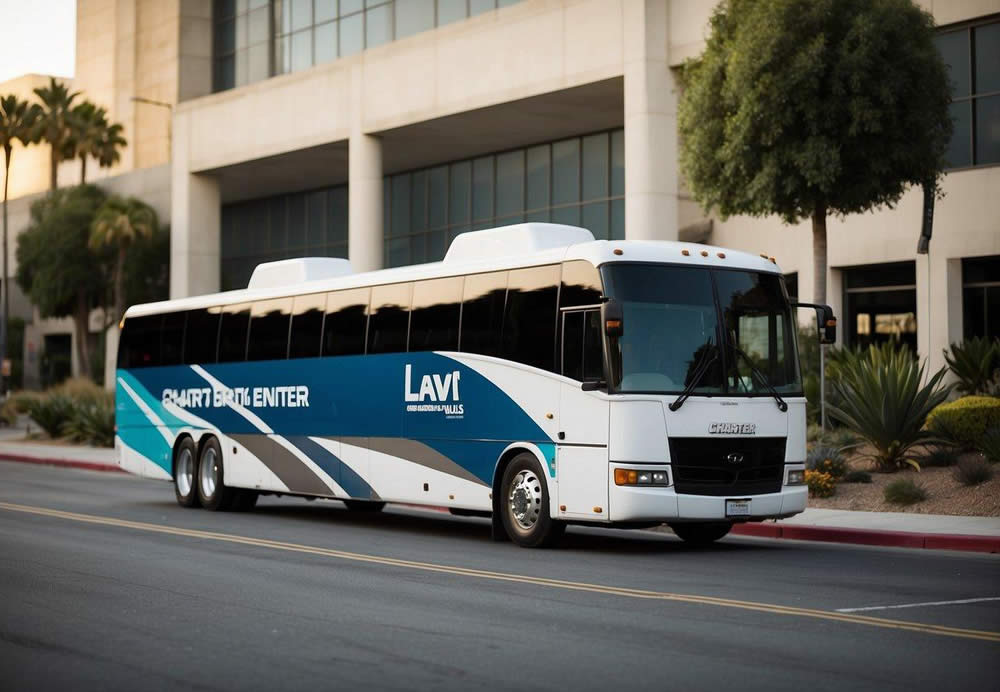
{"type": "Point", "coordinates": [882, 400]}
{"type": "Point", "coordinates": [974, 362]}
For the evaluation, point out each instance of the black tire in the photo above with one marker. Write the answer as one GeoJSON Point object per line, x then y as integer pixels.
{"type": "Point", "coordinates": [364, 505]}
{"type": "Point", "coordinates": [702, 532]}
{"type": "Point", "coordinates": [213, 493]}
{"type": "Point", "coordinates": [245, 500]}
{"type": "Point", "coordinates": [524, 504]}
{"type": "Point", "coordinates": [185, 472]}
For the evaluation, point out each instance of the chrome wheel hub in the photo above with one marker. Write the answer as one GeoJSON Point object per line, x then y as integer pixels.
{"type": "Point", "coordinates": [208, 474]}
{"type": "Point", "coordinates": [525, 499]}
{"type": "Point", "coordinates": [184, 473]}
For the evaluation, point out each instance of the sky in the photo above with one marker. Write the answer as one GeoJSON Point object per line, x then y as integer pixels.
{"type": "Point", "coordinates": [37, 36]}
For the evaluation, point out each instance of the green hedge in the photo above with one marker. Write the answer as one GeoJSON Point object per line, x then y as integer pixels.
{"type": "Point", "coordinates": [966, 420]}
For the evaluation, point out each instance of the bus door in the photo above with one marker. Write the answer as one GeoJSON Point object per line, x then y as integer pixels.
{"type": "Point", "coordinates": [582, 451]}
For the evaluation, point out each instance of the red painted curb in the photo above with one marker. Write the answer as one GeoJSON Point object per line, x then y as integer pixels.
{"type": "Point", "coordinates": [65, 463]}
{"type": "Point", "coordinates": [894, 539]}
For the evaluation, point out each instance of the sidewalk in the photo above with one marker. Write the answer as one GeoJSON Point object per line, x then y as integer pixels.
{"type": "Point", "coordinates": [891, 529]}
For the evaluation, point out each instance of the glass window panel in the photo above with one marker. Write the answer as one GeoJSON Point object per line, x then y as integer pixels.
{"type": "Point", "coordinates": [973, 311]}
{"type": "Point", "coordinates": [417, 249]}
{"type": "Point", "coordinates": [450, 11]}
{"type": "Point", "coordinates": [581, 284]}
{"type": "Point", "coordinates": [397, 252]}
{"type": "Point", "coordinates": [482, 188]}
{"type": "Point", "coordinates": [373, 3]}
{"type": "Point", "coordinates": [302, 50]}
{"type": "Point", "coordinates": [225, 37]}
{"type": "Point", "coordinates": [378, 26]}
{"type": "Point", "coordinates": [307, 326]}
{"type": "Point", "coordinates": [140, 342]}
{"type": "Point", "coordinates": [317, 217]}
{"type": "Point", "coordinates": [259, 67]}
{"type": "Point", "coordinates": [617, 163]}
{"type": "Point", "coordinates": [400, 212]}
{"type": "Point", "coordinates": [538, 175]}
{"type": "Point", "coordinates": [277, 222]}
{"type": "Point", "coordinates": [987, 58]}
{"type": "Point", "coordinates": [344, 328]}
{"type": "Point", "coordinates": [434, 316]}
{"type": "Point", "coordinates": [325, 10]}
{"type": "Point", "coordinates": [988, 130]}
{"type": "Point", "coordinates": [595, 166]}
{"type": "Point", "coordinates": [458, 202]}
{"type": "Point", "coordinates": [438, 197]}
{"type": "Point", "coordinates": [269, 321]}
{"type": "Point", "coordinates": [617, 219]}
{"type": "Point", "coordinates": [482, 312]}
{"type": "Point", "coordinates": [258, 26]}
{"type": "Point", "coordinates": [296, 221]}
{"type": "Point", "coordinates": [233, 333]}
{"type": "Point", "coordinates": [226, 8]}
{"type": "Point", "coordinates": [352, 37]}
{"type": "Point", "coordinates": [959, 149]}
{"type": "Point", "coordinates": [351, 6]}
{"type": "Point", "coordinates": [566, 171]}
{"type": "Point", "coordinates": [326, 43]}
{"type": "Point", "coordinates": [529, 325]}
{"type": "Point", "coordinates": [542, 216]}
{"type": "Point", "coordinates": [200, 335]}
{"type": "Point", "coordinates": [337, 215]}
{"type": "Point", "coordinates": [225, 73]}
{"type": "Point", "coordinates": [389, 317]}
{"type": "Point", "coordinates": [566, 215]}
{"type": "Point", "coordinates": [890, 274]}
{"type": "Point", "coordinates": [418, 203]}
{"type": "Point", "coordinates": [595, 220]}
{"type": "Point", "coordinates": [510, 183]}
{"type": "Point", "coordinates": [992, 329]}
{"type": "Point", "coordinates": [241, 31]}
{"type": "Point", "coordinates": [414, 16]}
{"type": "Point", "coordinates": [954, 47]}
{"type": "Point", "coordinates": [301, 14]}
{"type": "Point", "coordinates": [980, 269]}
{"type": "Point", "coordinates": [437, 245]}
{"type": "Point", "coordinates": [479, 6]}
{"type": "Point", "coordinates": [572, 345]}
{"type": "Point", "coordinates": [172, 338]}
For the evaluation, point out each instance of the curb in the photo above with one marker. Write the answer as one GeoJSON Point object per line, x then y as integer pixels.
{"type": "Point", "coordinates": [893, 539]}
{"type": "Point", "coordinates": [65, 463]}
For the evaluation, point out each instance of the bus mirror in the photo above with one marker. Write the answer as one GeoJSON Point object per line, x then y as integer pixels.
{"type": "Point", "coordinates": [825, 321]}
{"type": "Point", "coordinates": [593, 385]}
{"type": "Point", "coordinates": [611, 316]}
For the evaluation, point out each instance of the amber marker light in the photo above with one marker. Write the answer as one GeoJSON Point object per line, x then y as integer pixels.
{"type": "Point", "coordinates": [686, 253]}
{"type": "Point", "coordinates": [704, 253]}
{"type": "Point", "coordinates": [618, 251]}
{"type": "Point", "coordinates": [721, 255]}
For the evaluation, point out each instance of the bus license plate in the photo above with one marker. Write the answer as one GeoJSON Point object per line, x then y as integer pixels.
{"type": "Point", "coordinates": [737, 508]}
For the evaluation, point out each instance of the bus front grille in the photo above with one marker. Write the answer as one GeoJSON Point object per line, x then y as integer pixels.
{"type": "Point", "coordinates": [730, 466]}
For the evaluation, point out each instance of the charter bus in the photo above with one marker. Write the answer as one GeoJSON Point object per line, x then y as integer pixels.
{"type": "Point", "coordinates": [534, 375]}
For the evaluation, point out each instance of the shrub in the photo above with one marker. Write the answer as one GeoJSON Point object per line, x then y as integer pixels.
{"type": "Point", "coordinates": [827, 460]}
{"type": "Point", "coordinates": [883, 402]}
{"type": "Point", "coordinates": [814, 433]}
{"type": "Point", "coordinates": [50, 412]}
{"type": "Point", "coordinates": [990, 444]}
{"type": "Point", "coordinates": [841, 438]}
{"type": "Point", "coordinates": [965, 421]}
{"type": "Point", "coordinates": [856, 477]}
{"type": "Point", "coordinates": [820, 484]}
{"type": "Point", "coordinates": [93, 423]}
{"type": "Point", "coordinates": [904, 491]}
{"type": "Point", "coordinates": [974, 363]}
{"type": "Point", "coordinates": [940, 455]}
{"type": "Point", "coordinates": [973, 471]}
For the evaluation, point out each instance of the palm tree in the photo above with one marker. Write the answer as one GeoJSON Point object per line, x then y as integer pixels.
{"type": "Point", "coordinates": [118, 224]}
{"type": "Point", "coordinates": [107, 152]}
{"type": "Point", "coordinates": [56, 124]}
{"type": "Point", "coordinates": [17, 121]}
{"type": "Point", "coordinates": [88, 123]}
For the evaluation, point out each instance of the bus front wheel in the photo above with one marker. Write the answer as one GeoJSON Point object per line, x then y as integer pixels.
{"type": "Point", "coordinates": [701, 532]}
{"type": "Point", "coordinates": [213, 493]}
{"type": "Point", "coordinates": [525, 504]}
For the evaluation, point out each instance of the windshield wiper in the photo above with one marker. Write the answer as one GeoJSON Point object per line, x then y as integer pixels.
{"type": "Point", "coordinates": [760, 377]}
{"type": "Point", "coordinates": [696, 378]}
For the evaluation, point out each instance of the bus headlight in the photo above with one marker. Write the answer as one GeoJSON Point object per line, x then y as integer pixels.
{"type": "Point", "coordinates": [641, 477]}
{"type": "Point", "coordinates": [796, 477]}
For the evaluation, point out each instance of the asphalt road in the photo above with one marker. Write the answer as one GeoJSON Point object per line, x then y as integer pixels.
{"type": "Point", "coordinates": [105, 583]}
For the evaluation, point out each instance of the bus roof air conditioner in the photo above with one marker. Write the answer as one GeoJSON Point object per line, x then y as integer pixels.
{"type": "Point", "coordinates": [519, 239]}
{"type": "Point", "coordinates": [290, 272]}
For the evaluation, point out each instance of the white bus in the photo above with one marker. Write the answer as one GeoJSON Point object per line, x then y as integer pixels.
{"type": "Point", "coordinates": [534, 375]}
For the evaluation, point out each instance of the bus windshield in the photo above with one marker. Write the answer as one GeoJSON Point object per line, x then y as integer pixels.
{"type": "Point", "coordinates": [731, 331]}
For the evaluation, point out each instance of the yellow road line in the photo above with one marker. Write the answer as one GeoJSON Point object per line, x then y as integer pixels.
{"type": "Point", "coordinates": [517, 578]}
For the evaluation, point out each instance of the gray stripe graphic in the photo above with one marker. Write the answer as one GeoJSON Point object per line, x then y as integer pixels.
{"type": "Point", "coordinates": [289, 468]}
{"type": "Point", "coordinates": [414, 451]}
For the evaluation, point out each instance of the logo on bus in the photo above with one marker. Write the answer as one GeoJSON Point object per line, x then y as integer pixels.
{"type": "Point", "coordinates": [732, 428]}
{"type": "Point", "coordinates": [437, 393]}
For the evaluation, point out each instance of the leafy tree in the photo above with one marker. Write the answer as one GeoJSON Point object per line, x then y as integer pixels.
{"type": "Point", "coordinates": [95, 137]}
{"type": "Point", "coordinates": [56, 268]}
{"type": "Point", "coordinates": [108, 149]}
{"type": "Point", "coordinates": [55, 125]}
{"type": "Point", "coordinates": [17, 122]}
{"type": "Point", "coordinates": [147, 269]}
{"type": "Point", "coordinates": [805, 108]}
{"type": "Point", "coordinates": [119, 224]}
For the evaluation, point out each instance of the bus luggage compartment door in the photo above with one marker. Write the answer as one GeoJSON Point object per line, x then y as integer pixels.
{"type": "Point", "coordinates": [582, 454]}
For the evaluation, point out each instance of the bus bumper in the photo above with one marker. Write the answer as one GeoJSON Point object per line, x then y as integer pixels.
{"type": "Point", "coordinates": [630, 503]}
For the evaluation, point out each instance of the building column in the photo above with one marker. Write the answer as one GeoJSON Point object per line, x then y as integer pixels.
{"type": "Point", "coordinates": [364, 188]}
{"type": "Point", "coordinates": [651, 151]}
{"type": "Point", "coordinates": [195, 222]}
{"type": "Point", "coordinates": [939, 307]}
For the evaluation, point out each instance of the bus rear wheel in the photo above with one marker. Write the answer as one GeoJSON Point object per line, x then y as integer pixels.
{"type": "Point", "coordinates": [524, 504]}
{"type": "Point", "coordinates": [701, 532]}
{"type": "Point", "coordinates": [213, 493]}
{"type": "Point", "coordinates": [185, 473]}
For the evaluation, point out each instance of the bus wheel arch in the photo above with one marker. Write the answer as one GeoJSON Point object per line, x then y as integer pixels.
{"type": "Point", "coordinates": [529, 464]}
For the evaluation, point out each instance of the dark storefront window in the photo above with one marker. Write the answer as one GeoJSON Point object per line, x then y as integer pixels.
{"type": "Point", "coordinates": [981, 296]}
{"type": "Point", "coordinates": [881, 304]}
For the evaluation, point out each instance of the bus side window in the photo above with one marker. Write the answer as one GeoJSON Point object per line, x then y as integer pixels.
{"type": "Point", "coordinates": [581, 339]}
{"type": "Point", "coordinates": [482, 313]}
{"type": "Point", "coordinates": [269, 329]}
{"type": "Point", "coordinates": [389, 318]}
{"type": "Point", "coordinates": [529, 325]}
{"type": "Point", "coordinates": [140, 342]}
{"type": "Point", "coordinates": [172, 338]}
{"type": "Point", "coordinates": [434, 315]}
{"type": "Point", "coordinates": [581, 284]}
{"type": "Point", "coordinates": [307, 326]}
{"type": "Point", "coordinates": [201, 335]}
{"type": "Point", "coordinates": [233, 333]}
{"type": "Point", "coordinates": [344, 327]}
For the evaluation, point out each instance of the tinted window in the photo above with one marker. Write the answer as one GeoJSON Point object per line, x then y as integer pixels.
{"type": "Point", "coordinates": [434, 317]}
{"type": "Point", "coordinates": [269, 329]}
{"type": "Point", "coordinates": [140, 342]}
{"type": "Point", "coordinates": [344, 329]}
{"type": "Point", "coordinates": [389, 317]}
{"type": "Point", "coordinates": [172, 338]}
{"type": "Point", "coordinates": [582, 358]}
{"type": "Point", "coordinates": [581, 284]}
{"type": "Point", "coordinates": [201, 335]}
{"type": "Point", "coordinates": [307, 326]}
{"type": "Point", "coordinates": [482, 312]}
{"type": "Point", "coordinates": [529, 325]}
{"type": "Point", "coordinates": [233, 333]}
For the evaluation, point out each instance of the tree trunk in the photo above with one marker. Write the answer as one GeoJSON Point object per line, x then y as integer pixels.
{"type": "Point", "coordinates": [5, 287]}
{"type": "Point", "coordinates": [81, 324]}
{"type": "Point", "coordinates": [54, 169]}
{"type": "Point", "coordinates": [83, 170]}
{"type": "Point", "coordinates": [819, 253]}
